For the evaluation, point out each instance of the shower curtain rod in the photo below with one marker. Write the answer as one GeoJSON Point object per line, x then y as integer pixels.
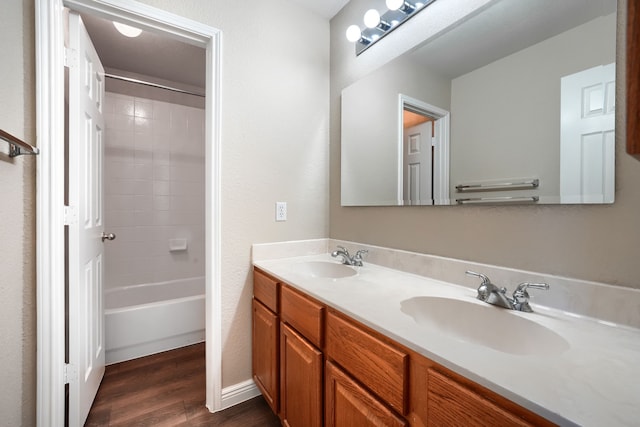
{"type": "Point", "coordinates": [143, 82]}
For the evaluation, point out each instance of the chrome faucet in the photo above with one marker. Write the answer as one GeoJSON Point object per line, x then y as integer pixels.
{"type": "Point", "coordinates": [347, 259]}
{"type": "Point", "coordinates": [491, 294]}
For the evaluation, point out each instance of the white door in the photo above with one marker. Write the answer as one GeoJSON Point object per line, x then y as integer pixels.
{"type": "Point", "coordinates": [86, 261]}
{"type": "Point", "coordinates": [587, 142]}
{"type": "Point", "coordinates": [417, 165]}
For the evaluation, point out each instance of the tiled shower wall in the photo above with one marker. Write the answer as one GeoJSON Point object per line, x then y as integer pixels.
{"type": "Point", "coordinates": [154, 190]}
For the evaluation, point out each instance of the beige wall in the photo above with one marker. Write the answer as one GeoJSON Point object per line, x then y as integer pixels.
{"type": "Point", "coordinates": [588, 242]}
{"type": "Point", "coordinates": [274, 148]}
{"type": "Point", "coordinates": [17, 213]}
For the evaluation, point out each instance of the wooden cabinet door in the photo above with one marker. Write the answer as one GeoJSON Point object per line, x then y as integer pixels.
{"type": "Point", "coordinates": [348, 404]}
{"type": "Point", "coordinates": [300, 380]}
{"type": "Point", "coordinates": [265, 353]}
{"type": "Point", "coordinates": [450, 403]}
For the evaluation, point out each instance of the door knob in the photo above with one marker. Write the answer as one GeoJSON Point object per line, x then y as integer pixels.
{"type": "Point", "coordinates": [108, 236]}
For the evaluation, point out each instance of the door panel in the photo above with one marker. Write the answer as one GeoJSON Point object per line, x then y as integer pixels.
{"type": "Point", "coordinates": [86, 272]}
{"type": "Point", "coordinates": [418, 188]}
{"type": "Point", "coordinates": [587, 136]}
{"type": "Point", "coordinates": [301, 400]}
{"type": "Point", "coordinates": [265, 335]}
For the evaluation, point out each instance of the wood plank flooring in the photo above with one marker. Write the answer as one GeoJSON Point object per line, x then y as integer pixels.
{"type": "Point", "coordinates": [168, 389]}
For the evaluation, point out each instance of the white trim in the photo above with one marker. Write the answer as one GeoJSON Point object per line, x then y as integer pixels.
{"type": "Point", "coordinates": [50, 213]}
{"type": "Point", "coordinates": [213, 225]}
{"type": "Point", "coordinates": [50, 187]}
{"type": "Point", "coordinates": [440, 172]}
{"type": "Point", "coordinates": [239, 393]}
{"type": "Point", "coordinates": [400, 147]}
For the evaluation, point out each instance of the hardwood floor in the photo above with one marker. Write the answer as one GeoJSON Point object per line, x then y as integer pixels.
{"type": "Point", "coordinates": [168, 389]}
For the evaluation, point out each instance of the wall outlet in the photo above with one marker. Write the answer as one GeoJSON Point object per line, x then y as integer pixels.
{"type": "Point", "coordinates": [281, 211]}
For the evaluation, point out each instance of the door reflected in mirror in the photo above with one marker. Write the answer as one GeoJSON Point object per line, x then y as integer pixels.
{"type": "Point", "coordinates": [424, 140]}
{"type": "Point", "coordinates": [528, 92]}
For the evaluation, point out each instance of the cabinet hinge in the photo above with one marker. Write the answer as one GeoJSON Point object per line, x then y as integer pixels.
{"type": "Point", "coordinates": [70, 58]}
{"type": "Point", "coordinates": [70, 215]}
{"type": "Point", "coordinates": [70, 373]}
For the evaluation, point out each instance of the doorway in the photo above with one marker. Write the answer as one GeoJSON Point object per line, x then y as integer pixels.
{"type": "Point", "coordinates": [52, 216]}
{"type": "Point", "coordinates": [423, 144]}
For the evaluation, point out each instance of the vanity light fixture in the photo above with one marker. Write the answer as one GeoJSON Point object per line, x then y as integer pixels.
{"type": "Point", "coordinates": [378, 26]}
{"type": "Point", "coordinates": [127, 30]}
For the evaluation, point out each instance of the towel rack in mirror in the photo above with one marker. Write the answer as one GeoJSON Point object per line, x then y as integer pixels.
{"type": "Point", "coordinates": [508, 199]}
{"type": "Point", "coordinates": [17, 147]}
{"type": "Point", "coordinates": [497, 186]}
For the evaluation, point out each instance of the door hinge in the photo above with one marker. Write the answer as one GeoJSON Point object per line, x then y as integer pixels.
{"type": "Point", "coordinates": [70, 373]}
{"type": "Point", "coordinates": [70, 215]}
{"type": "Point", "coordinates": [70, 58]}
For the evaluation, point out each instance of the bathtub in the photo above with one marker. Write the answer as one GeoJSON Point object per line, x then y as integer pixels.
{"type": "Point", "coordinates": [145, 319]}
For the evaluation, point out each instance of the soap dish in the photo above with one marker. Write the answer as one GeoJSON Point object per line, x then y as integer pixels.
{"type": "Point", "coordinates": [177, 245]}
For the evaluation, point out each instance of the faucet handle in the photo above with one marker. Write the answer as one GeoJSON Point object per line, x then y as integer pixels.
{"type": "Point", "coordinates": [521, 296]}
{"type": "Point", "coordinates": [360, 252]}
{"type": "Point", "coordinates": [484, 278]}
{"type": "Point", "coordinates": [357, 258]}
{"type": "Point", "coordinates": [521, 289]}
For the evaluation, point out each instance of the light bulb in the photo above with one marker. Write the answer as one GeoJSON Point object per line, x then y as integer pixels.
{"type": "Point", "coordinates": [353, 33]}
{"type": "Point", "coordinates": [371, 18]}
{"type": "Point", "coordinates": [394, 4]}
{"type": "Point", "coordinates": [127, 30]}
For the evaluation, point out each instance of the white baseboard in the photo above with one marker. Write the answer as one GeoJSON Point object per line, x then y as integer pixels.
{"type": "Point", "coordinates": [239, 393]}
{"type": "Point", "coordinates": [148, 348]}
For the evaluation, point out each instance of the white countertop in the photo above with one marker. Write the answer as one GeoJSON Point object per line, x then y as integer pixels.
{"type": "Point", "coordinates": [595, 382]}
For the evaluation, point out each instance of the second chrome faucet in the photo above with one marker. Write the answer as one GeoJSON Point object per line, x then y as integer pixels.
{"type": "Point", "coordinates": [347, 259]}
{"type": "Point", "coordinates": [491, 294]}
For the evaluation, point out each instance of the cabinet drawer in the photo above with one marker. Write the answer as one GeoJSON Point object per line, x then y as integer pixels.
{"type": "Point", "coordinates": [302, 314]}
{"type": "Point", "coordinates": [376, 364]}
{"type": "Point", "coordinates": [451, 403]}
{"type": "Point", "coordinates": [265, 290]}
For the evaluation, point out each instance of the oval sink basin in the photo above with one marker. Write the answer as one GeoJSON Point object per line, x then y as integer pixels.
{"type": "Point", "coordinates": [325, 269]}
{"type": "Point", "coordinates": [486, 325]}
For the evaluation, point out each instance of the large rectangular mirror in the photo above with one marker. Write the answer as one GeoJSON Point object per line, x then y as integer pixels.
{"type": "Point", "coordinates": [514, 105]}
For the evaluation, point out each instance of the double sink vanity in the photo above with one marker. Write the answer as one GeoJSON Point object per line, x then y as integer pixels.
{"type": "Point", "coordinates": [340, 345]}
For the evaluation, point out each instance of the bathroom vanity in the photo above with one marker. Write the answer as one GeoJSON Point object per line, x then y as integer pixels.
{"type": "Point", "coordinates": [336, 345]}
{"type": "Point", "coordinates": [369, 379]}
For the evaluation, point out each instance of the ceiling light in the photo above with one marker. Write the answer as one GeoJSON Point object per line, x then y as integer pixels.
{"type": "Point", "coordinates": [127, 30]}
{"type": "Point", "coordinates": [371, 18]}
{"type": "Point", "coordinates": [394, 4]}
{"type": "Point", "coordinates": [353, 33]}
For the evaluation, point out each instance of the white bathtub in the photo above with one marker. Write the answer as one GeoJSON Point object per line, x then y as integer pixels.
{"type": "Point", "coordinates": [145, 319]}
